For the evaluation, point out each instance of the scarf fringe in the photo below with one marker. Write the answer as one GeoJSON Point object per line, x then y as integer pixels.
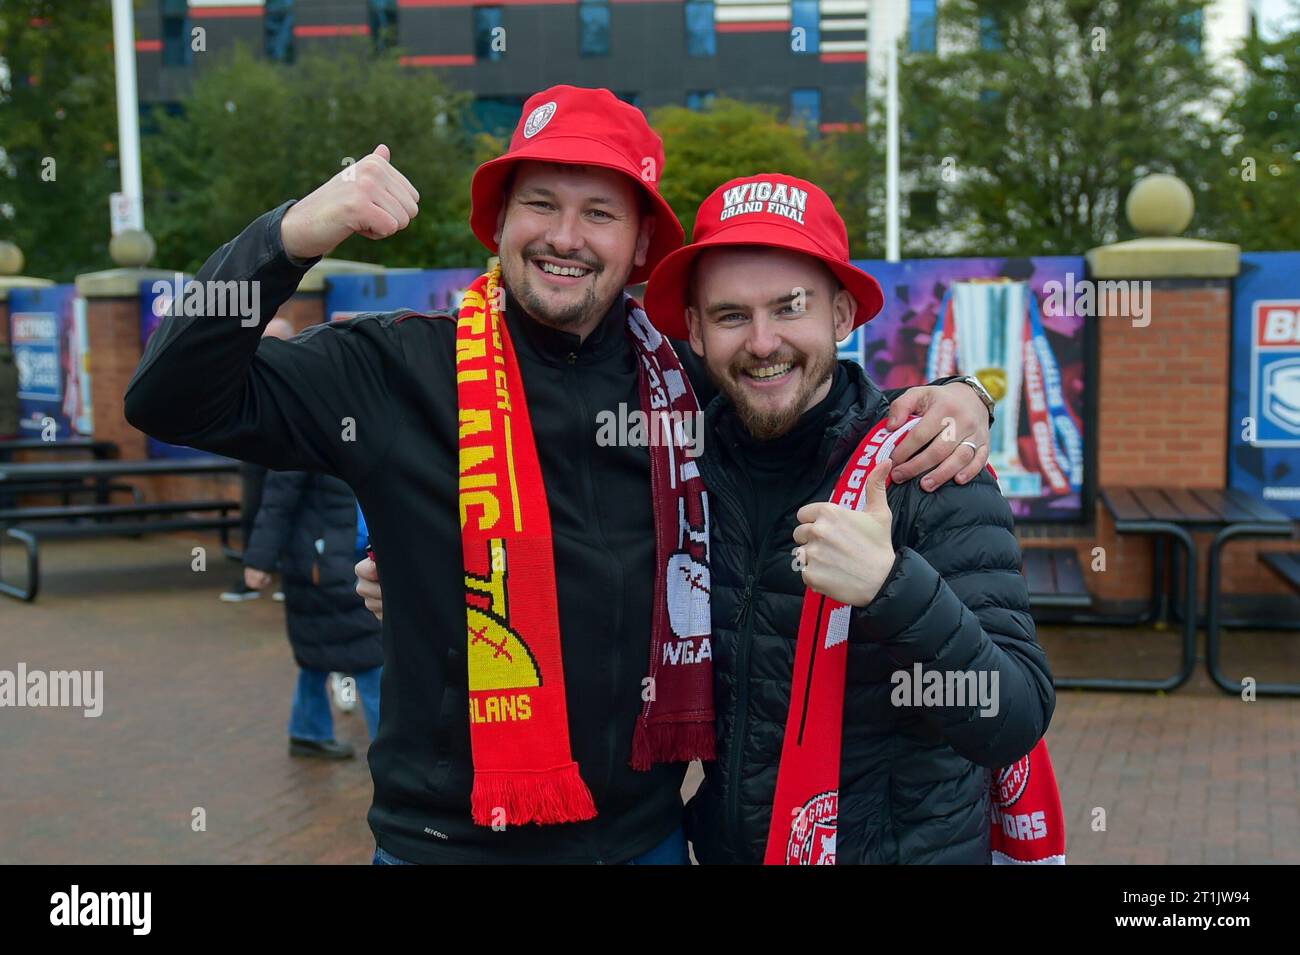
{"type": "Point", "coordinates": [557, 795]}
{"type": "Point", "coordinates": [671, 743]}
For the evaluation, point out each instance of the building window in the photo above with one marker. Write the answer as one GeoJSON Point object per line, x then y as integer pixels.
{"type": "Point", "coordinates": [701, 38]}
{"type": "Point", "coordinates": [699, 99]}
{"type": "Point", "coordinates": [175, 32]}
{"type": "Point", "coordinates": [383, 23]}
{"type": "Point", "coordinates": [498, 115]}
{"type": "Point", "coordinates": [806, 17]}
{"type": "Point", "coordinates": [489, 34]}
{"type": "Point", "coordinates": [593, 27]}
{"type": "Point", "coordinates": [1189, 30]}
{"type": "Point", "coordinates": [277, 21]}
{"type": "Point", "coordinates": [923, 26]}
{"type": "Point", "coordinates": [990, 34]}
{"type": "Point", "coordinates": [806, 109]}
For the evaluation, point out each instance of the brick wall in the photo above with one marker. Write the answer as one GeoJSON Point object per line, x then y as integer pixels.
{"type": "Point", "coordinates": [1162, 420]}
{"type": "Point", "coordinates": [114, 328]}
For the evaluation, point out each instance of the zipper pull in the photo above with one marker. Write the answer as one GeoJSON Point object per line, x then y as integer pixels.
{"type": "Point", "coordinates": [745, 596]}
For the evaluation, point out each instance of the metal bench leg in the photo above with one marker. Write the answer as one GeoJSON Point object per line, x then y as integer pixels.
{"type": "Point", "coordinates": [1160, 594]}
{"type": "Point", "coordinates": [1188, 664]}
{"type": "Point", "coordinates": [33, 567]}
{"type": "Point", "coordinates": [1214, 624]}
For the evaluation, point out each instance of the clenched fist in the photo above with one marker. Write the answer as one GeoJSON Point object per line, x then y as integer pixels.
{"type": "Point", "coordinates": [845, 554]}
{"type": "Point", "coordinates": [369, 198]}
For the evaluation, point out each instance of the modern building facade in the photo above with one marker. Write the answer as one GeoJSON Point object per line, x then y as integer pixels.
{"type": "Point", "coordinates": [812, 59]}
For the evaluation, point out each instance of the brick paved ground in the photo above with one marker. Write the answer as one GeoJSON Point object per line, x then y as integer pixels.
{"type": "Point", "coordinates": [197, 696]}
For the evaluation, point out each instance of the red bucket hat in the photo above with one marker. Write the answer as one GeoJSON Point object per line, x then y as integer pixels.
{"type": "Point", "coordinates": [769, 209]}
{"type": "Point", "coordinates": [583, 127]}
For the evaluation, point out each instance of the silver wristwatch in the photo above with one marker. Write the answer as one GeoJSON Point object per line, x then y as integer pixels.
{"type": "Point", "coordinates": [981, 391]}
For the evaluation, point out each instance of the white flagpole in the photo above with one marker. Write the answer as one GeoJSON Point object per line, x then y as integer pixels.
{"type": "Point", "coordinates": [128, 110]}
{"type": "Point", "coordinates": [891, 155]}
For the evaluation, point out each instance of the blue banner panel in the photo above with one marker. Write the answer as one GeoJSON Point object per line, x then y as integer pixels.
{"type": "Point", "coordinates": [425, 290]}
{"type": "Point", "coordinates": [1264, 422]}
{"type": "Point", "coordinates": [155, 300]}
{"type": "Point", "coordinates": [47, 328]}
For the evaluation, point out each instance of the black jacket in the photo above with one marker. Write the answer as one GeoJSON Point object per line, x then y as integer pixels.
{"type": "Point", "coordinates": [373, 401]}
{"type": "Point", "coordinates": [914, 780]}
{"type": "Point", "coordinates": [307, 526]}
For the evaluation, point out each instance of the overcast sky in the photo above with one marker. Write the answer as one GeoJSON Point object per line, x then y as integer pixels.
{"type": "Point", "coordinates": [1274, 13]}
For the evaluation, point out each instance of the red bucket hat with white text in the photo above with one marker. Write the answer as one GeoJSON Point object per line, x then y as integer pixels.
{"type": "Point", "coordinates": [769, 209]}
{"type": "Point", "coordinates": [582, 127]}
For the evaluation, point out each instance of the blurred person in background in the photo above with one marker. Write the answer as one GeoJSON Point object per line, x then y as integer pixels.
{"type": "Point", "coordinates": [311, 526]}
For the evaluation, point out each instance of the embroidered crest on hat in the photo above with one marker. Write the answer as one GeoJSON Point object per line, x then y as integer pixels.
{"type": "Point", "coordinates": [538, 118]}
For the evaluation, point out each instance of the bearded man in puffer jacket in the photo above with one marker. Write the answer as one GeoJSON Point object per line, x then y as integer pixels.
{"type": "Point", "coordinates": [764, 295]}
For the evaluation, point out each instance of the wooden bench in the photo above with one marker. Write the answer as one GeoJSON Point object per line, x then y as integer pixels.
{"type": "Point", "coordinates": [29, 525]}
{"type": "Point", "coordinates": [107, 521]}
{"type": "Point", "coordinates": [1055, 579]}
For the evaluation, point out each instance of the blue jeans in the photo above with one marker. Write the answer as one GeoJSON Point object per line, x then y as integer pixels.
{"type": "Point", "coordinates": [311, 717]}
{"type": "Point", "coordinates": [672, 851]}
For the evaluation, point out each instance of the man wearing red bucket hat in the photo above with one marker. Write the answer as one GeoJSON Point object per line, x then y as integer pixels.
{"type": "Point", "coordinates": [822, 757]}
{"type": "Point", "coordinates": [547, 670]}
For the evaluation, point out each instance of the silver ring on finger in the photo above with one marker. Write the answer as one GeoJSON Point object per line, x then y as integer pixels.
{"type": "Point", "coordinates": [973, 446]}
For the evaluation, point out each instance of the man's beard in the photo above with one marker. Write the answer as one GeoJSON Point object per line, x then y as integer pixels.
{"type": "Point", "coordinates": [765, 424]}
{"type": "Point", "coordinates": [534, 303]}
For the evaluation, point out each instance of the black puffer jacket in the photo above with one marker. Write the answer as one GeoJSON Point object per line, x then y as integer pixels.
{"type": "Point", "coordinates": [914, 781]}
{"type": "Point", "coordinates": [329, 626]}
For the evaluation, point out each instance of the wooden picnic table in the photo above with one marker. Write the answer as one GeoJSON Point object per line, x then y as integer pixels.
{"type": "Point", "coordinates": [1174, 514]}
{"type": "Point", "coordinates": [28, 525]}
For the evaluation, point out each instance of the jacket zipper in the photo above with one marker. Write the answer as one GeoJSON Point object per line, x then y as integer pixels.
{"type": "Point", "coordinates": [745, 623]}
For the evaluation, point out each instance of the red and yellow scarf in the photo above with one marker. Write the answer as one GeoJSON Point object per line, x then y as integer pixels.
{"type": "Point", "coordinates": [524, 770]}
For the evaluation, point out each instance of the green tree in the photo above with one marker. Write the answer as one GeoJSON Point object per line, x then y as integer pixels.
{"type": "Point", "coordinates": [252, 134]}
{"type": "Point", "coordinates": [58, 134]}
{"type": "Point", "coordinates": [1036, 118]}
{"type": "Point", "coordinates": [703, 149]}
{"type": "Point", "coordinates": [1255, 186]}
{"type": "Point", "coordinates": [853, 175]}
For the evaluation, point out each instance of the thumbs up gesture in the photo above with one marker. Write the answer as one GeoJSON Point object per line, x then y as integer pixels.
{"type": "Point", "coordinates": [845, 554]}
{"type": "Point", "coordinates": [369, 197]}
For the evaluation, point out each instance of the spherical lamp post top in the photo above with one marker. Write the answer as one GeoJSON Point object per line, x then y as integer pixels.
{"type": "Point", "coordinates": [1159, 205]}
{"type": "Point", "coordinates": [11, 259]}
{"type": "Point", "coordinates": [131, 249]}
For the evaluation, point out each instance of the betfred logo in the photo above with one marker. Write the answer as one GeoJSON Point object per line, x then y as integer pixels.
{"type": "Point", "coordinates": [1277, 324]}
{"type": "Point", "coordinates": [1275, 373]}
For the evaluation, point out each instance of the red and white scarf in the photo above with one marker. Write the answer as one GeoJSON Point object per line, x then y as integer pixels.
{"type": "Point", "coordinates": [1027, 822]}
{"type": "Point", "coordinates": [524, 770]}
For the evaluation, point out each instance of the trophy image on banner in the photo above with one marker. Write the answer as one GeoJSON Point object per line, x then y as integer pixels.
{"type": "Point", "coordinates": [992, 329]}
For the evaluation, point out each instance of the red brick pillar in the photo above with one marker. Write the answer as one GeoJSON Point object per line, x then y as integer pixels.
{"type": "Point", "coordinates": [1163, 386]}
{"type": "Point", "coordinates": [113, 325]}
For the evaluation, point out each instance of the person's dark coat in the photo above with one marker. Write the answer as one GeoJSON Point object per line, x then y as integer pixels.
{"type": "Point", "coordinates": [914, 781]}
{"type": "Point", "coordinates": [307, 526]}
